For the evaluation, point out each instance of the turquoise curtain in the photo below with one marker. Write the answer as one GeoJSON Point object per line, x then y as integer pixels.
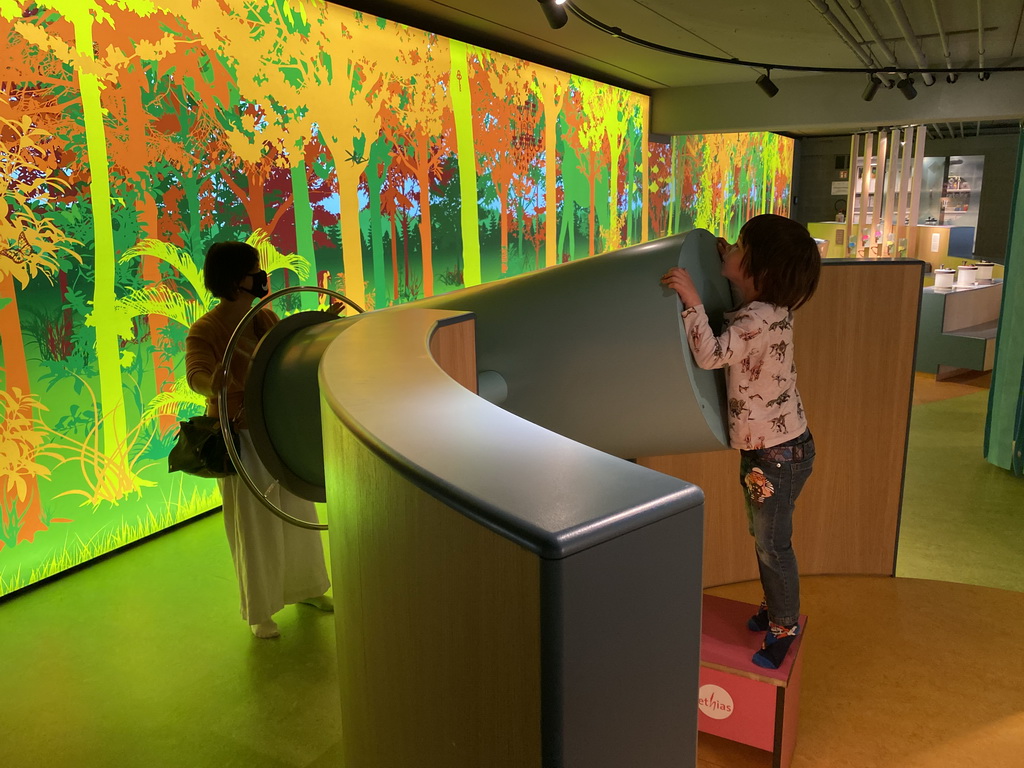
{"type": "Point", "coordinates": [1004, 428]}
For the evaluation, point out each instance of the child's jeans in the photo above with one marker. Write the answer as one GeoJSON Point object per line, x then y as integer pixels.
{"type": "Point", "coordinates": [772, 478]}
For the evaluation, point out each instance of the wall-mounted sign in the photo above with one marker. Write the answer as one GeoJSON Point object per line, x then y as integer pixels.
{"type": "Point", "coordinates": [840, 187]}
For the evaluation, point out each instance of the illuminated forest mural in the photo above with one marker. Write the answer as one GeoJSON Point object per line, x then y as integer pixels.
{"type": "Point", "coordinates": [355, 153]}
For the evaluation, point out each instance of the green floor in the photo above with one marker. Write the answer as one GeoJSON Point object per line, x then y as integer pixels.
{"type": "Point", "coordinates": [963, 518]}
{"type": "Point", "coordinates": [141, 659]}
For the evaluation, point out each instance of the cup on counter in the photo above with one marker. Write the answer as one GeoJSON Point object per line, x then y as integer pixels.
{"type": "Point", "coordinates": [984, 272]}
{"type": "Point", "coordinates": [966, 275]}
{"type": "Point", "coordinates": [944, 278]}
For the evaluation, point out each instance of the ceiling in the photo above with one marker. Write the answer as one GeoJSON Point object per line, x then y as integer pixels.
{"type": "Point", "coordinates": [801, 33]}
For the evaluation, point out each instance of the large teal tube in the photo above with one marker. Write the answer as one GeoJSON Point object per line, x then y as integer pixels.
{"type": "Point", "coordinates": [594, 350]}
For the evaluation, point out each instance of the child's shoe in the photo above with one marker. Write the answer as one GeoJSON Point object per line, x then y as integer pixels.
{"type": "Point", "coordinates": [759, 621]}
{"type": "Point", "coordinates": [776, 643]}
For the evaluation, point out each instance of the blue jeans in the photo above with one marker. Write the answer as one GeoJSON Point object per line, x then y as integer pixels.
{"type": "Point", "coordinates": [772, 479]}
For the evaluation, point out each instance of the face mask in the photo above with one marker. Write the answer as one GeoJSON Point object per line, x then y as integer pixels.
{"type": "Point", "coordinates": [260, 285]}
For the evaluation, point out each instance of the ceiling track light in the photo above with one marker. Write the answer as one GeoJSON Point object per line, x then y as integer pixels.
{"type": "Point", "coordinates": [554, 12]}
{"type": "Point", "coordinates": [764, 82]}
{"type": "Point", "coordinates": [874, 83]}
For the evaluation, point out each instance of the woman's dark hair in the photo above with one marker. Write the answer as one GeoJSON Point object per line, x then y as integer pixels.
{"type": "Point", "coordinates": [782, 258]}
{"type": "Point", "coordinates": [227, 264]}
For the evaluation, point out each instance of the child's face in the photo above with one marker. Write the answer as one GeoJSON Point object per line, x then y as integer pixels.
{"type": "Point", "coordinates": [733, 271]}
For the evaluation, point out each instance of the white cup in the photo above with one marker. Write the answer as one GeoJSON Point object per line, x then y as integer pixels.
{"type": "Point", "coordinates": [966, 275]}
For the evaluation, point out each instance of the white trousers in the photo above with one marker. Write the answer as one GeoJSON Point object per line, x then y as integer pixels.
{"type": "Point", "coordinates": [276, 563]}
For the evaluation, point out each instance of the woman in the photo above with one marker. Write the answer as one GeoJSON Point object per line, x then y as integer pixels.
{"type": "Point", "coordinates": [276, 563]}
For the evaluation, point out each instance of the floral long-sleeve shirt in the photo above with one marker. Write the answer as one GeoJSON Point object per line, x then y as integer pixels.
{"type": "Point", "coordinates": [756, 350]}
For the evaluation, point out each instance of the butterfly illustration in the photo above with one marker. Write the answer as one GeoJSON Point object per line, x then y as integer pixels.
{"type": "Point", "coordinates": [20, 252]}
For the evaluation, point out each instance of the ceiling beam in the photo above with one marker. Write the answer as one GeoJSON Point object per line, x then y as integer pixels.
{"type": "Point", "coordinates": [825, 104]}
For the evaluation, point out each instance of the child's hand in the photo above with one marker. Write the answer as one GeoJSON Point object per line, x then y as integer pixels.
{"type": "Point", "coordinates": [679, 280]}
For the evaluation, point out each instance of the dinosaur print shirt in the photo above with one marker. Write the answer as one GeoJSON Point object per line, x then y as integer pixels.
{"type": "Point", "coordinates": [756, 350]}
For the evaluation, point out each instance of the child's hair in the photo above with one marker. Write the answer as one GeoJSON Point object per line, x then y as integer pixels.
{"type": "Point", "coordinates": [782, 258]}
{"type": "Point", "coordinates": [227, 263]}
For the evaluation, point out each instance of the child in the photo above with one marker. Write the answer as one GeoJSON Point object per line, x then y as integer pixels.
{"type": "Point", "coordinates": [774, 268]}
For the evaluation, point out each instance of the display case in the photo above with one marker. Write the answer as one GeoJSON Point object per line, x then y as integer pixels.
{"type": "Point", "coordinates": [951, 197]}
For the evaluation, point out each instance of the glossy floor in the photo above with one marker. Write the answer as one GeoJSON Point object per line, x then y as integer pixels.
{"type": "Point", "coordinates": [140, 659]}
{"type": "Point", "coordinates": [962, 518]}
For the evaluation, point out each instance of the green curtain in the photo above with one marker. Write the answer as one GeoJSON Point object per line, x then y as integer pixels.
{"type": "Point", "coordinates": [1004, 428]}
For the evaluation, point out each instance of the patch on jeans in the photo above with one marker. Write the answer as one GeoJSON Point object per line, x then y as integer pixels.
{"type": "Point", "coordinates": [758, 486]}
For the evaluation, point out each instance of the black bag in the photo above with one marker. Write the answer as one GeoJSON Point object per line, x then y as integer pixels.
{"type": "Point", "coordinates": [200, 449]}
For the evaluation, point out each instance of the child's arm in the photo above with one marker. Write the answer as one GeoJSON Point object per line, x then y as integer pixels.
{"type": "Point", "coordinates": [679, 280]}
{"type": "Point", "coordinates": [710, 351]}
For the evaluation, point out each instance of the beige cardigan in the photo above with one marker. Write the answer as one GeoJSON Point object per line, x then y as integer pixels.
{"type": "Point", "coordinates": [205, 346]}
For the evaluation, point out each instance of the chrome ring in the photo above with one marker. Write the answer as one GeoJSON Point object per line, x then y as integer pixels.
{"type": "Point", "coordinates": [222, 398]}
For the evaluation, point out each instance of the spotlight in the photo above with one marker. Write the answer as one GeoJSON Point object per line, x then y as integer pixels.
{"type": "Point", "coordinates": [764, 82]}
{"type": "Point", "coordinates": [906, 86]}
{"type": "Point", "coordinates": [872, 88]}
{"type": "Point", "coordinates": [554, 12]}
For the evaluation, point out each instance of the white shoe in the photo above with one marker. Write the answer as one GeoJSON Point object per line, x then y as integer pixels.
{"type": "Point", "coordinates": [265, 629]}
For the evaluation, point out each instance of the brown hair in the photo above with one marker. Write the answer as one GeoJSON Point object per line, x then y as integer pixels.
{"type": "Point", "coordinates": [782, 258]}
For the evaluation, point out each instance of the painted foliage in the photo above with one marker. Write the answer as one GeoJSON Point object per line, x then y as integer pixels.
{"type": "Point", "coordinates": [718, 181]}
{"type": "Point", "coordinates": [355, 153]}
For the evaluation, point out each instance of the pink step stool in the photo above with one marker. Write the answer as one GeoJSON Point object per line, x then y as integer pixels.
{"type": "Point", "coordinates": [739, 700]}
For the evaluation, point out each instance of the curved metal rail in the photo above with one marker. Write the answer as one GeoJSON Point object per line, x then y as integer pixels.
{"type": "Point", "coordinates": [222, 398]}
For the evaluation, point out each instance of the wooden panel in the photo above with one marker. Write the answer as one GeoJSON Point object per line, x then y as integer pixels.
{"type": "Point", "coordinates": [437, 625]}
{"type": "Point", "coordinates": [453, 347]}
{"type": "Point", "coordinates": [937, 255]}
{"type": "Point", "coordinates": [855, 358]}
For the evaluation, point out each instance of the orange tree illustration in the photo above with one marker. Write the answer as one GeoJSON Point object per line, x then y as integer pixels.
{"type": "Point", "coordinates": [659, 187]}
{"type": "Point", "coordinates": [144, 143]}
{"type": "Point", "coordinates": [525, 157]}
{"type": "Point", "coordinates": [417, 119]}
{"type": "Point", "coordinates": [279, 63]}
{"type": "Point", "coordinates": [503, 105]}
{"type": "Point", "coordinates": [30, 177]}
{"type": "Point", "coordinates": [396, 202]}
{"type": "Point", "coordinates": [686, 158]}
{"type": "Point", "coordinates": [349, 124]}
{"type": "Point", "coordinates": [255, 154]}
{"type": "Point", "coordinates": [71, 36]}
